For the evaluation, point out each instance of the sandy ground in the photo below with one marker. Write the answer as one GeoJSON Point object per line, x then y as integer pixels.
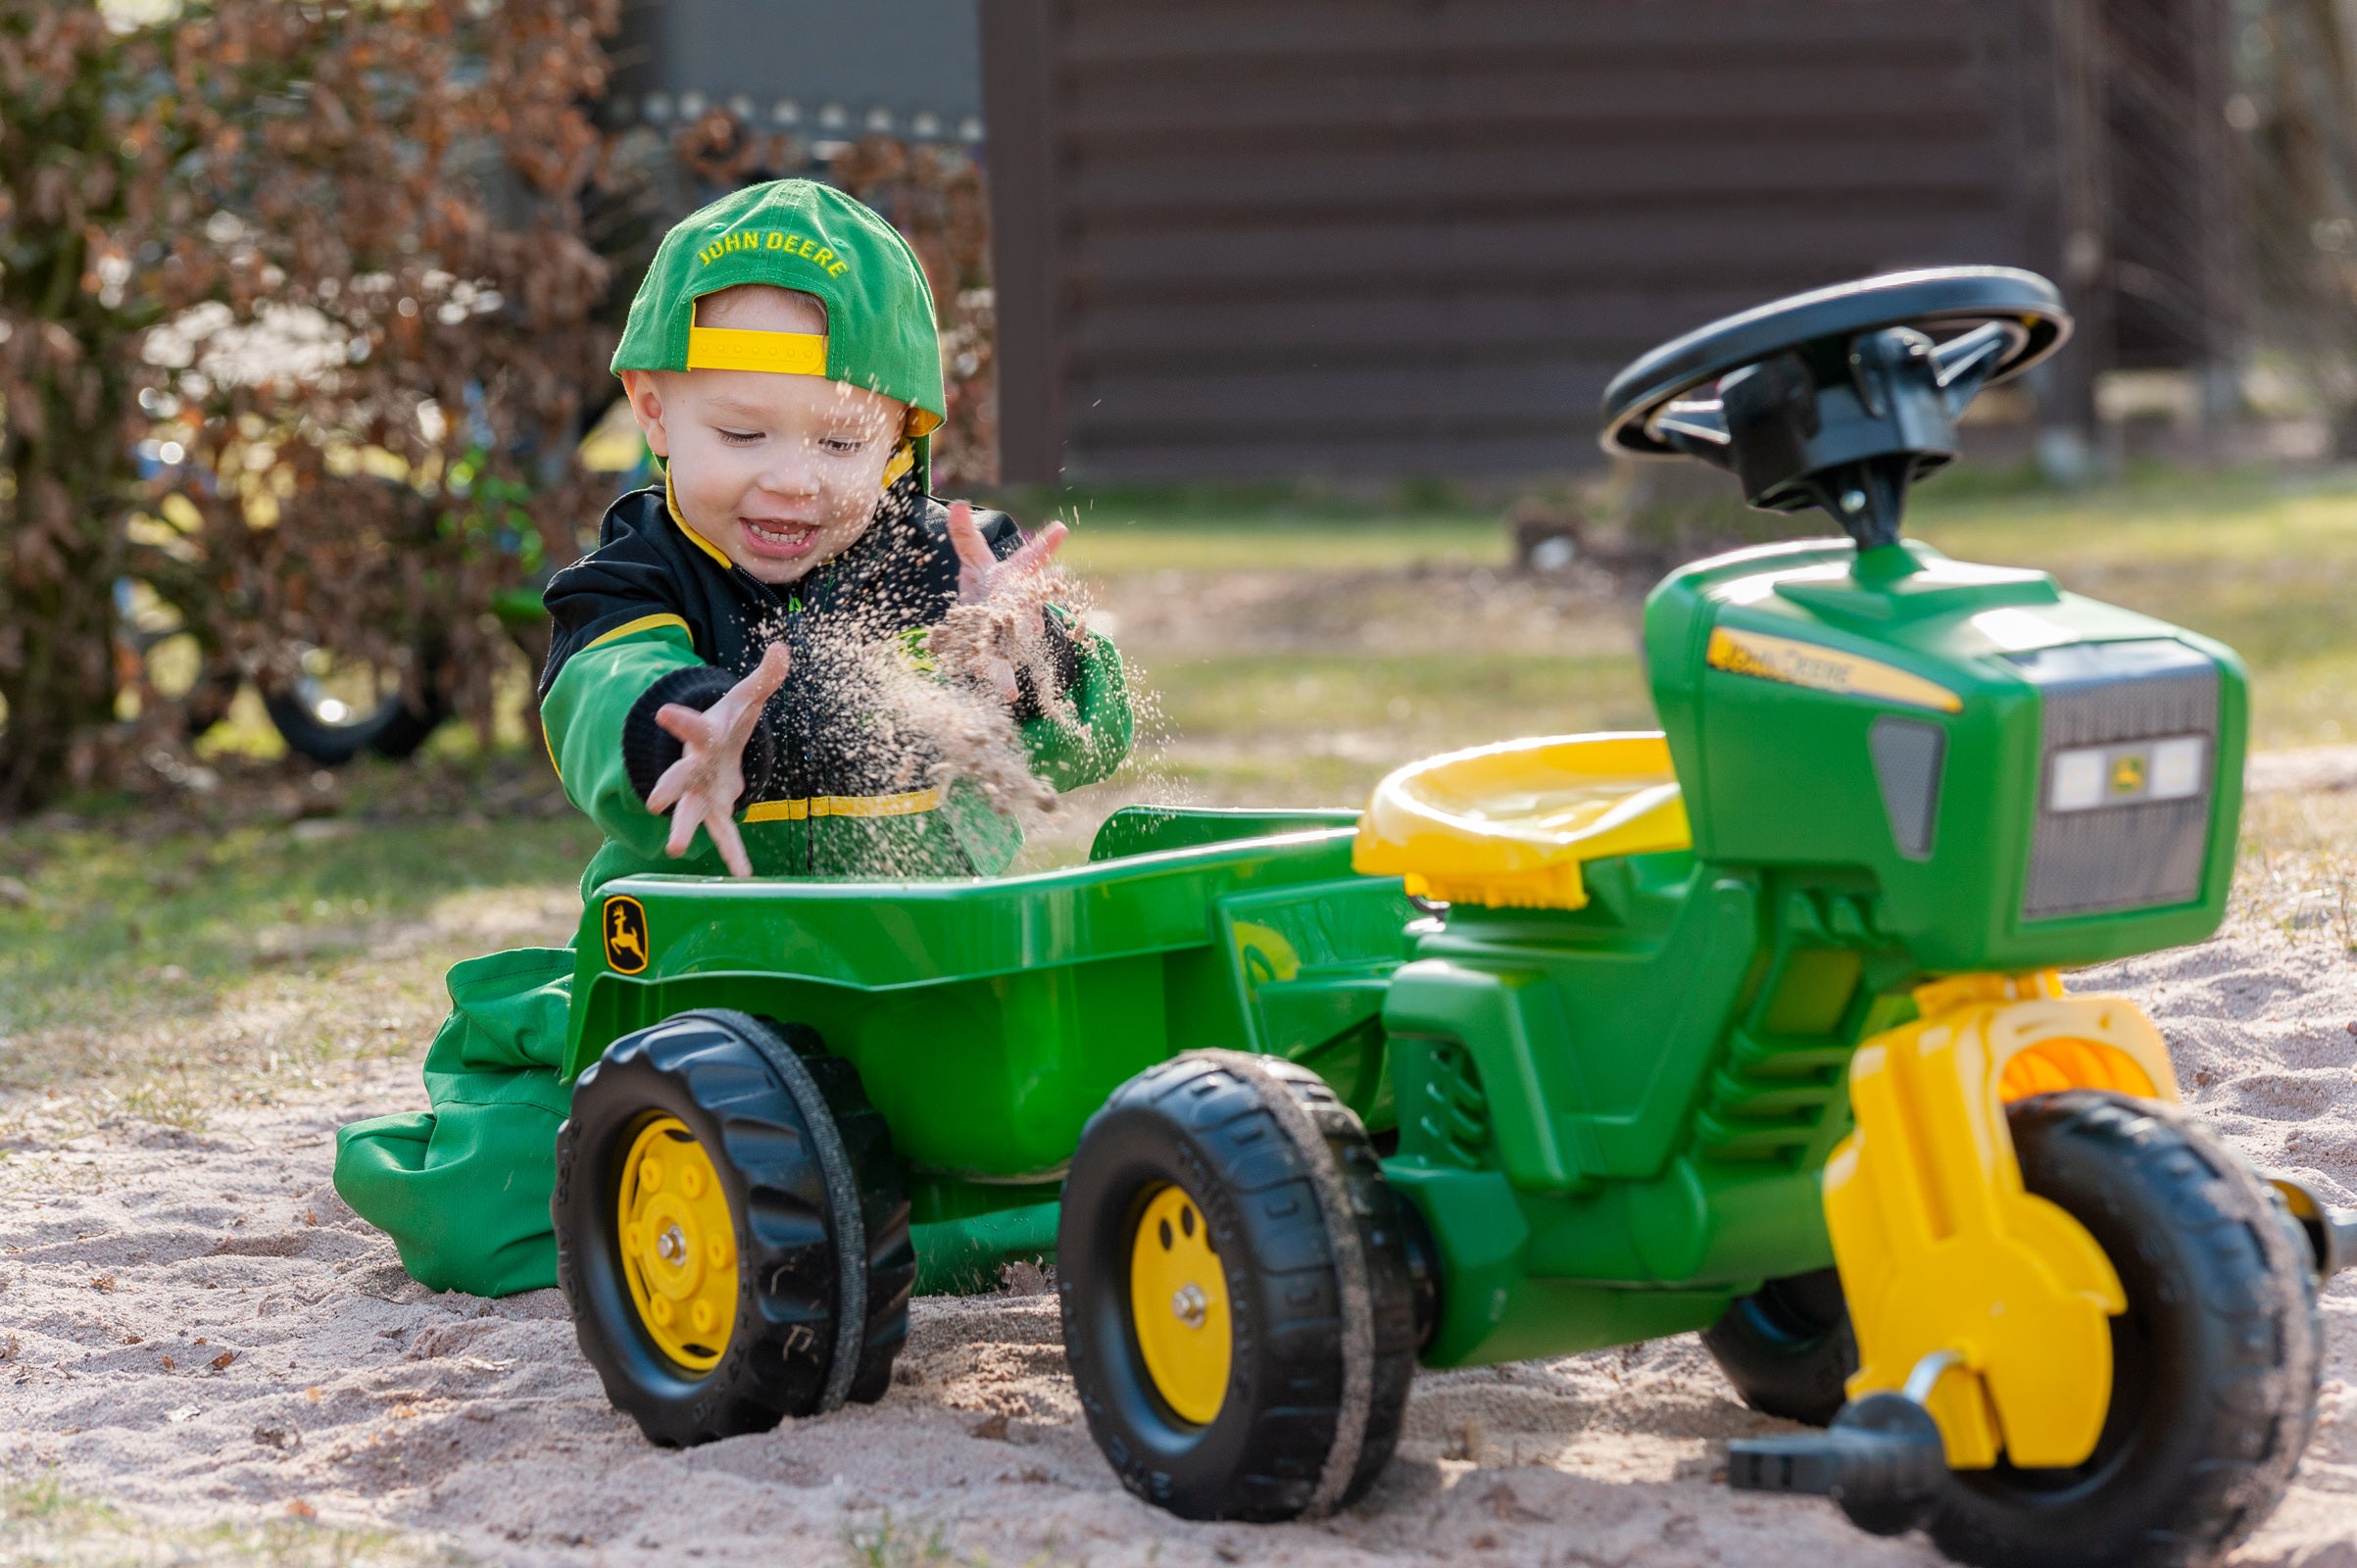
{"type": "Point", "coordinates": [195, 1330]}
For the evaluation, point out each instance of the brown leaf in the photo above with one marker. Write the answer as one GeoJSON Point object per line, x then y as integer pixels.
{"type": "Point", "coordinates": [220, 1362]}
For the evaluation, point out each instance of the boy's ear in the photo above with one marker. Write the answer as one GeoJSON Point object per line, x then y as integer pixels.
{"type": "Point", "coordinates": [646, 406]}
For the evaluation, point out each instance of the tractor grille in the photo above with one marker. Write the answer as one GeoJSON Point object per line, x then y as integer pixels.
{"type": "Point", "coordinates": [2128, 758]}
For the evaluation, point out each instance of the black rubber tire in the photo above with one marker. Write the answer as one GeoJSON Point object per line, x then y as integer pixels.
{"type": "Point", "coordinates": [1280, 1445]}
{"type": "Point", "coordinates": [394, 729]}
{"type": "Point", "coordinates": [731, 1080]}
{"type": "Point", "coordinates": [1788, 1347]}
{"type": "Point", "coordinates": [2215, 1364]}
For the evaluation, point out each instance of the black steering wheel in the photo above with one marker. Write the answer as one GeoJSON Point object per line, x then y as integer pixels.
{"type": "Point", "coordinates": [1841, 398]}
{"type": "Point", "coordinates": [1973, 313]}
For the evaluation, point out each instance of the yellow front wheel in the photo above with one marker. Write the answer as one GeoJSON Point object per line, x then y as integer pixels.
{"type": "Point", "coordinates": [1238, 1310]}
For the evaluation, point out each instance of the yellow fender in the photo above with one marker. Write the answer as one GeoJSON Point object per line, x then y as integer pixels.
{"type": "Point", "coordinates": [1939, 1245]}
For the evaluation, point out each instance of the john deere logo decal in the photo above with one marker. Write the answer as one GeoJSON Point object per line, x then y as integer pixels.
{"type": "Point", "coordinates": [1822, 668]}
{"type": "Point", "coordinates": [625, 935]}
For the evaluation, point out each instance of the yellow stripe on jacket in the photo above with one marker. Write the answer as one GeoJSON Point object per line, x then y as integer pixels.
{"type": "Point", "coordinates": [911, 803]}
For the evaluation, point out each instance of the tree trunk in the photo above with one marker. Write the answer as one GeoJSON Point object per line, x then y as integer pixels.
{"type": "Point", "coordinates": [59, 682]}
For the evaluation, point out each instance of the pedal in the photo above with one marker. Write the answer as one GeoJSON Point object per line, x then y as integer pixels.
{"type": "Point", "coordinates": [2331, 1232]}
{"type": "Point", "coordinates": [1882, 1460]}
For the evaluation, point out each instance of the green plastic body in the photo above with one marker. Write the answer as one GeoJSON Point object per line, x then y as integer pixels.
{"type": "Point", "coordinates": [1612, 1119]}
{"type": "Point", "coordinates": [989, 1018]}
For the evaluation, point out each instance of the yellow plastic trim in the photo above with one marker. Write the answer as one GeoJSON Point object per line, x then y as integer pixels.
{"type": "Point", "coordinates": [904, 457]}
{"type": "Point", "coordinates": [680, 1251]}
{"type": "Point", "coordinates": [670, 501]}
{"type": "Point", "coordinates": [632, 628]}
{"type": "Point", "coordinates": [1510, 825]}
{"type": "Point", "coordinates": [910, 804]}
{"type": "Point", "coordinates": [1939, 1246]}
{"type": "Point", "coordinates": [1178, 1302]}
{"type": "Point", "coordinates": [732, 348]}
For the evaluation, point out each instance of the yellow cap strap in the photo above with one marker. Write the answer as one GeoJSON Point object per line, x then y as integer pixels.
{"type": "Point", "coordinates": [729, 348]}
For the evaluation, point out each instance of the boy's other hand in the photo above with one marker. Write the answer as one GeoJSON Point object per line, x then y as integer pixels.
{"type": "Point", "coordinates": [982, 575]}
{"type": "Point", "coordinates": [701, 789]}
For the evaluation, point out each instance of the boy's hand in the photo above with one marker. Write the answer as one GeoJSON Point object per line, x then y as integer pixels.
{"type": "Point", "coordinates": [701, 789]}
{"type": "Point", "coordinates": [982, 575]}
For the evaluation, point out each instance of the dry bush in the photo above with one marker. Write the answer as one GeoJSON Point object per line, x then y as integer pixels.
{"type": "Point", "coordinates": [330, 258]}
{"type": "Point", "coordinates": [302, 308]}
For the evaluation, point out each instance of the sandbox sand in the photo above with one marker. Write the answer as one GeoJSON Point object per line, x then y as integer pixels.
{"type": "Point", "coordinates": [194, 1329]}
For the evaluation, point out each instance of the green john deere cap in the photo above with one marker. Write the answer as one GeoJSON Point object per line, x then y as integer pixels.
{"type": "Point", "coordinates": [797, 235]}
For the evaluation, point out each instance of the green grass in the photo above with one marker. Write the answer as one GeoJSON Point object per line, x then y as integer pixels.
{"type": "Point", "coordinates": [2264, 565]}
{"type": "Point", "coordinates": [129, 919]}
{"type": "Point", "coordinates": [2263, 561]}
{"type": "Point", "coordinates": [1438, 700]}
{"type": "Point", "coordinates": [42, 1522]}
{"type": "Point", "coordinates": [191, 913]}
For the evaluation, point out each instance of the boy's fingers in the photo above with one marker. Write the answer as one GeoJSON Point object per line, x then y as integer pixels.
{"type": "Point", "coordinates": [769, 675]}
{"type": "Point", "coordinates": [1039, 551]}
{"type": "Point", "coordinates": [723, 830]}
{"type": "Point", "coordinates": [1002, 676]}
{"type": "Point", "coordinates": [669, 788]}
{"type": "Point", "coordinates": [690, 726]}
{"type": "Point", "coordinates": [967, 539]}
{"type": "Point", "coordinates": [684, 830]}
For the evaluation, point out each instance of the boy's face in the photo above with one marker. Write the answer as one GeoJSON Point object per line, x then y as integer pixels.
{"type": "Point", "coordinates": [779, 473]}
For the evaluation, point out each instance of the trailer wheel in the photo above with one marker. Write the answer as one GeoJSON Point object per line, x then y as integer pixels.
{"type": "Point", "coordinates": [1232, 1273]}
{"type": "Point", "coordinates": [2215, 1364]}
{"type": "Point", "coordinates": [1788, 1347]}
{"type": "Point", "coordinates": [732, 1228]}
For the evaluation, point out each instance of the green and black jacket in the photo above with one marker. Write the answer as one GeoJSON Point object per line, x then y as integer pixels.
{"type": "Point", "coordinates": [657, 615]}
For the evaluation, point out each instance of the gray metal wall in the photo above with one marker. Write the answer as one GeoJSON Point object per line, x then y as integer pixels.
{"type": "Point", "coordinates": [897, 65]}
{"type": "Point", "coordinates": [1239, 238]}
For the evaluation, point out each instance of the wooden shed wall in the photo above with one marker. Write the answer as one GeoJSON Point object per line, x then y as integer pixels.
{"type": "Point", "coordinates": [1242, 238]}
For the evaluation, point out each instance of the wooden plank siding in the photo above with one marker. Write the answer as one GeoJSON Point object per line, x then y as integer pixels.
{"type": "Point", "coordinates": [1248, 238]}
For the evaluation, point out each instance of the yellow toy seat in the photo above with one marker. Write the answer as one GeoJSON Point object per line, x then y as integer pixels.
{"type": "Point", "coordinates": [1508, 825]}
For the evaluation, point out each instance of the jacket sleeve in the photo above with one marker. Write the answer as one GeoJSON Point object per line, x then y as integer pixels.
{"type": "Point", "coordinates": [1088, 671]}
{"type": "Point", "coordinates": [619, 651]}
{"type": "Point", "coordinates": [1068, 755]}
{"type": "Point", "coordinates": [588, 715]}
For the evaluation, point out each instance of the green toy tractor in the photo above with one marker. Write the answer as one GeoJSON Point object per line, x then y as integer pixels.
{"type": "Point", "coordinates": [1750, 1026]}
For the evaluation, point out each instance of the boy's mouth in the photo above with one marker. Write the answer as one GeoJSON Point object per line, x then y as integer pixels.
{"type": "Point", "coordinates": [781, 538]}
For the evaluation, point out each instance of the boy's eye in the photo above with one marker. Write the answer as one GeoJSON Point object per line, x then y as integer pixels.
{"type": "Point", "coordinates": [842, 443]}
{"type": "Point", "coordinates": [739, 438]}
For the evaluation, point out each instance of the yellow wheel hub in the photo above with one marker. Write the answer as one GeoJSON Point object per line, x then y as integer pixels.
{"type": "Point", "coordinates": [1178, 1301]}
{"type": "Point", "coordinates": [680, 1246]}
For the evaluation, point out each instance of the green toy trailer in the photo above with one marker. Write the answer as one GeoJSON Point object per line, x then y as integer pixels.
{"type": "Point", "coordinates": [1750, 1026]}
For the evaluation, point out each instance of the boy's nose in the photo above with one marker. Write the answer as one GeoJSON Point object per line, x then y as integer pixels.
{"type": "Point", "coordinates": [790, 475]}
